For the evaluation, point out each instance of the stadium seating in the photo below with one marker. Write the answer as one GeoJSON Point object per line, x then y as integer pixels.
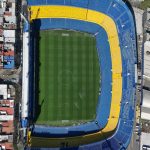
{"type": "Point", "coordinates": [77, 3]}
{"type": "Point", "coordinates": [123, 18]}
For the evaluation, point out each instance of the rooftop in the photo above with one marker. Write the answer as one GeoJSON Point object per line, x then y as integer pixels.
{"type": "Point", "coordinates": [145, 139]}
{"type": "Point", "coordinates": [3, 91]}
{"type": "Point", "coordinates": [138, 18]}
{"type": "Point", "coordinates": [6, 146]}
{"type": "Point", "coordinates": [6, 110]}
{"type": "Point", "coordinates": [146, 105]}
{"type": "Point", "coordinates": [147, 58]}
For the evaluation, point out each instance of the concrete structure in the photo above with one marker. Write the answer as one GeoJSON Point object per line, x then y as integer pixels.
{"type": "Point", "coordinates": [145, 141]}
{"type": "Point", "coordinates": [139, 29]}
{"type": "Point", "coordinates": [146, 25]}
{"type": "Point", "coordinates": [6, 117]}
{"type": "Point", "coordinates": [9, 33]}
{"type": "Point", "coordinates": [6, 145]}
{"type": "Point", "coordinates": [136, 1]}
{"type": "Point", "coordinates": [7, 103]}
{"type": "Point", "coordinates": [145, 112]}
{"type": "Point", "coordinates": [25, 79]}
{"type": "Point", "coordinates": [3, 91]}
{"type": "Point", "coordinates": [146, 82]}
{"type": "Point", "coordinates": [147, 19]}
{"type": "Point", "coordinates": [147, 59]}
{"type": "Point", "coordinates": [9, 36]}
{"type": "Point", "coordinates": [138, 18]}
{"type": "Point", "coordinates": [6, 127]}
{"type": "Point", "coordinates": [6, 142]}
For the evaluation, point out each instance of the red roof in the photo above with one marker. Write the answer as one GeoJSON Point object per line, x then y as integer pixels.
{"type": "Point", "coordinates": [1, 32]}
{"type": "Point", "coordinates": [7, 102]}
{"type": "Point", "coordinates": [9, 53]}
{"type": "Point", "coordinates": [7, 127]}
{"type": "Point", "coordinates": [8, 146]}
{"type": "Point", "coordinates": [10, 111]}
{"type": "Point", "coordinates": [8, 130]}
{"type": "Point", "coordinates": [6, 124]}
{"type": "Point", "coordinates": [7, 13]}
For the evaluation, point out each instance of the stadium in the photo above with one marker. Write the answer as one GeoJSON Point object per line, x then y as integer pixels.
{"type": "Point", "coordinates": [80, 80]}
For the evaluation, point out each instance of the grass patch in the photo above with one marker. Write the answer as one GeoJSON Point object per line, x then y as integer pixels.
{"type": "Point", "coordinates": [69, 78]}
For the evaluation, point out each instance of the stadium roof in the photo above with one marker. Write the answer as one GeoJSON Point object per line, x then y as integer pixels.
{"type": "Point", "coordinates": [25, 75]}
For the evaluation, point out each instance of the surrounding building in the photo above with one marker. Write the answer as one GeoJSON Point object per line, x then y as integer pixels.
{"type": "Point", "coordinates": [6, 116]}
{"type": "Point", "coordinates": [145, 114]}
{"type": "Point", "coordinates": [7, 33]}
{"type": "Point", "coordinates": [147, 60]}
{"type": "Point", "coordinates": [145, 141]}
{"type": "Point", "coordinates": [139, 31]}
{"type": "Point", "coordinates": [145, 108]}
{"type": "Point", "coordinates": [146, 50]}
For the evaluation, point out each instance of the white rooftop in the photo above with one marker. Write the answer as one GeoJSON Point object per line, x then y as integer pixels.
{"type": "Point", "coordinates": [10, 19]}
{"type": "Point", "coordinates": [148, 13]}
{"type": "Point", "coordinates": [1, 11]}
{"type": "Point", "coordinates": [147, 58]}
{"type": "Point", "coordinates": [3, 90]}
{"type": "Point", "coordinates": [9, 40]}
{"type": "Point", "coordinates": [9, 46]}
{"type": "Point", "coordinates": [13, 1]}
{"type": "Point", "coordinates": [145, 139]}
{"type": "Point", "coordinates": [6, 117]}
{"type": "Point", "coordinates": [147, 36]}
{"type": "Point", "coordinates": [146, 98]}
{"type": "Point", "coordinates": [1, 39]}
{"type": "Point", "coordinates": [138, 18]}
{"type": "Point", "coordinates": [1, 20]}
{"type": "Point", "coordinates": [145, 114]}
{"type": "Point", "coordinates": [3, 138]}
{"type": "Point", "coordinates": [25, 78]}
{"type": "Point", "coordinates": [9, 33]}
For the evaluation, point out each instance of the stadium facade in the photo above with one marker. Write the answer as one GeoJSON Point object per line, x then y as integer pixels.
{"type": "Point", "coordinates": [112, 24]}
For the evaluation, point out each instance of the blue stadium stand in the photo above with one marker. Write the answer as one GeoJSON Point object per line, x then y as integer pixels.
{"type": "Point", "coordinates": [77, 3]}
{"type": "Point", "coordinates": [124, 20]}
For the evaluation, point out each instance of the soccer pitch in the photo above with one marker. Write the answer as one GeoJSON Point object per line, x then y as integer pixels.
{"type": "Point", "coordinates": [69, 78]}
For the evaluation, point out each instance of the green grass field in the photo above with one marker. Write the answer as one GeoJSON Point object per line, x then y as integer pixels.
{"type": "Point", "coordinates": [69, 78]}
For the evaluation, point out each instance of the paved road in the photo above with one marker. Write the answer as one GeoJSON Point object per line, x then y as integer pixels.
{"type": "Point", "coordinates": [135, 140]}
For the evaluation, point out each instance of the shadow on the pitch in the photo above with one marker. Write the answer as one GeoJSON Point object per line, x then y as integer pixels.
{"type": "Point", "coordinates": [35, 106]}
